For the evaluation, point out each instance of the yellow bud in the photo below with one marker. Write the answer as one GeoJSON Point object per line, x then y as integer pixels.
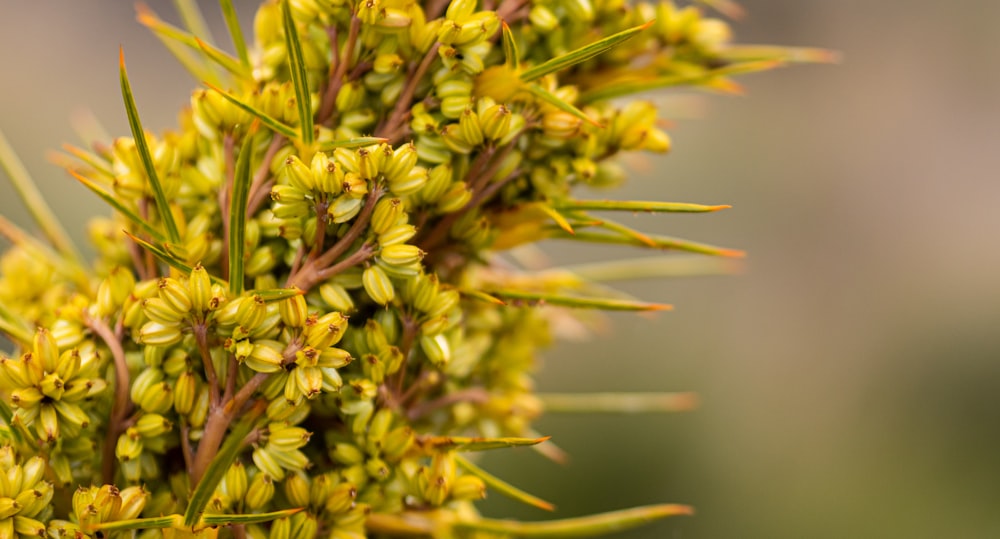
{"type": "Point", "coordinates": [157, 334]}
{"type": "Point", "coordinates": [455, 198]}
{"type": "Point", "coordinates": [28, 527]}
{"type": "Point", "coordinates": [46, 350]}
{"type": "Point", "coordinates": [297, 174]}
{"type": "Point", "coordinates": [341, 499]}
{"type": "Point", "coordinates": [260, 492]}
{"type": "Point", "coordinates": [337, 297]}
{"type": "Point", "coordinates": [344, 208]}
{"type": "Point", "coordinates": [437, 349]}
{"type": "Point", "coordinates": [468, 487]}
{"type": "Point", "coordinates": [151, 425]}
{"type": "Point", "coordinates": [387, 212]}
{"type": "Point", "coordinates": [378, 285]}
{"type": "Point", "coordinates": [297, 489]}
{"type": "Point", "coordinates": [409, 183]}
{"type": "Point", "coordinates": [459, 10]}
{"type": "Point", "coordinates": [200, 286]}
{"type": "Point", "coordinates": [401, 254]}
{"type": "Point", "coordinates": [185, 393]}
{"type": "Point", "coordinates": [496, 121]}
{"type": "Point", "coordinates": [329, 176]}
{"type": "Point", "coordinates": [128, 447]}
{"type": "Point", "coordinates": [293, 311]}
{"type": "Point", "coordinates": [175, 295]}
{"type": "Point", "coordinates": [133, 501]}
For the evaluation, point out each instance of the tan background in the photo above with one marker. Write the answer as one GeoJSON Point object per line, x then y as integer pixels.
{"type": "Point", "coordinates": [851, 377]}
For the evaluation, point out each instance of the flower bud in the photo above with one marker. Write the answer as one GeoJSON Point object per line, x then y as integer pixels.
{"type": "Point", "coordinates": [175, 294]}
{"type": "Point", "coordinates": [297, 174]}
{"type": "Point", "coordinates": [200, 286]}
{"type": "Point", "coordinates": [185, 393]}
{"type": "Point", "coordinates": [378, 285]}
{"type": "Point", "coordinates": [293, 311]}
{"type": "Point", "coordinates": [437, 349]}
{"type": "Point", "coordinates": [260, 492]}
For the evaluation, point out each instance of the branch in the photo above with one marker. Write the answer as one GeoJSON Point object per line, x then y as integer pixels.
{"type": "Point", "coordinates": [122, 405]}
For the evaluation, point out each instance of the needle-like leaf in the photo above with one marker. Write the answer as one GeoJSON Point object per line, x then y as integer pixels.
{"type": "Point", "coordinates": [708, 78]}
{"type": "Point", "coordinates": [600, 524]}
{"type": "Point", "coordinates": [217, 469]}
{"type": "Point", "coordinates": [168, 32]}
{"type": "Point", "coordinates": [675, 265]}
{"type": "Point", "coordinates": [659, 242]}
{"type": "Point", "coordinates": [464, 443]}
{"type": "Point", "coordinates": [238, 212]}
{"type": "Point", "coordinates": [14, 327]}
{"type": "Point", "coordinates": [118, 206]}
{"type": "Point", "coordinates": [297, 67]}
{"type": "Point", "coordinates": [552, 99]}
{"type": "Point", "coordinates": [635, 206]}
{"type": "Point", "coordinates": [357, 142]}
{"type": "Point", "coordinates": [576, 302]}
{"type": "Point", "coordinates": [193, 19]}
{"type": "Point", "coordinates": [168, 521]}
{"type": "Point", "coordinates": [144, 155]}
{"type": "Point", "coordinates": [278, 294]}
{"type": "Point", "coordinates": [273, 124]}
{"type": "Point", "coordinates": [502, 486]}
{"type": "Point", "coordinates": [256, 518]}
{"type": "Point", "coordinates": [93, 161]}
{"type": "Point", "coordinates": [582, 54]}
{"type": "Point", "coordinates": [510, 52]}
{"type": "Point", "coordinates": [235, 32]}
{"type": "Point", "coordinates": [194, 63]}
{"type": "Point", "coordinates": [35, 202]}
{"type": "Point", "coordinates": [621, 403]}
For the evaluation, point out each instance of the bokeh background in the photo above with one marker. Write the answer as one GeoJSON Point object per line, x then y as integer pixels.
{"type": "Point", "coordinates": [850, 377]}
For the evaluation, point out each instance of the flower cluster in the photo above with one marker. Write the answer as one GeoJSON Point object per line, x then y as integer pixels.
{"type": "Point", "coordinates": [301, 322]}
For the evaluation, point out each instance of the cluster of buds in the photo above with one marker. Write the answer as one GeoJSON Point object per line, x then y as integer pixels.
{"type": "Point", "coordinates": [299, 323]}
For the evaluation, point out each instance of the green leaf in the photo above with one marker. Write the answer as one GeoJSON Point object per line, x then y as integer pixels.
{"type": "Point", "coordinates": [235, 32]}
{"type": "Point", "coordinates": [35, 202]}
{"type": "Point", "coordinates": [502, 486]}
{"type": "Point", "coordinates": [600, 524]}
{"type": "Point", "coordinates": [147, 160]}
{"type": "Point", "coordinates": [238, 213]}
{"type": "Point", "coordinates": [357, 142]}
{"type": "Point", "coordinates": [278, 294]}
{"type": "Point", "coordinates": [193, 19]}
{"type": "Point", "coordinates": [170, 36]}
{"type": "Point", "coordinates": [90, 159]}
{"type": "Point", "coordinates": [675, 265]}
{"type": "Point", "coordinates": [275, 125]}
{"type": "Point", "coordinates": [552, 99]}
{"type": "Point", "coordinates": [635, 206]}
{"type": "Point", "coordinates": [510, 52]}
{"type": "Point", "coordinates": [556, 216]}
{"type": "Point", "coordinates": [256, 518]}
{"type": "Point", "coordinates": [582, 54]}
{"type": "Point", "coordinates": [297, 66]}
{"type": "Point", "coordinates": [659, 242]}
{"type": "Point", "coordinates": [621, 403]}
{"type": "Point", "coordinates": [217, 470]}
{"type": "Point", "coordinates": [465, 443]}
{"type": "Point", "coordinates": [139, 523]}
{"type": "Point", "coordinates": [161, 252]}
{"type": "Point", "coordinates": [481, 296]}
{"type": "Point", "coordinates": [43, 253]}
{"type": "Point", "coordinates": [754, 53]}
{"type": "Point", "coordinates": [17, 329]}
{"type": "Point", "coordinates": [118, 206]}
{"type": "Point", "coordinates": [633, 86]}
{"type": "Point", "coordinates": [726, 7]}
{"type": "Point", "coordinates": [576, 302]}
{"type": "Point", "coordinates": [229, 63]}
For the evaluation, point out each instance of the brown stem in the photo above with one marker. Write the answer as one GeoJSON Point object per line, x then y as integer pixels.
{"type": "Point", "coordinates": [201, 337]}
{"type": "Point", "coordinates": [218, 422]}
{"type": "Point", "coordinates": [363, 253]}
{"type": "Point", "coordinates": [337, 79]}
{"type": "Point", "coordinates": [394, 125]}
{"type": "Point", "coordinates": [122, 405]}
{"type": "Point", "coordinates": [306, 277]}
{"type": "Point", "coordinates": [410, 328]}
{"type": "Point", "coordinates": [472, 394]}
{"type": "Point", "coordinates": [256, 198]}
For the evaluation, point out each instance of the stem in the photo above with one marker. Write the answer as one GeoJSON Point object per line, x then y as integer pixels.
{"type": "Point", "coordinates": [201, 337]}
{"type": "Point", "coordinates": [308, 275]}
{"type": "Point", "coordinates": [260, 177]}
{"type": "Point", "coordinates": [329, 103]}
{"type": "Point", "coordinates": [394, 126]}
{"type": "Point", "coordinates": [122, 405]}
{"type": "Point", "coordinates": [219, 419]}
{"type": "Point", "coordinates": [472, 394]}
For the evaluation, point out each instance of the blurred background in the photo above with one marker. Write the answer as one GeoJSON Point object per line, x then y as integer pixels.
{"type": "Point", "coordinates": [850, 377]}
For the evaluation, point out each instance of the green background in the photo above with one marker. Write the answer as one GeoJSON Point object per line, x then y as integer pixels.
{"type": "Point", "coordinates": [850, 377]}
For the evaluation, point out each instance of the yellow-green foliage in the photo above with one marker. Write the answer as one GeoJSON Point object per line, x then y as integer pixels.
{"type": "Point", "coordinates": [301, 318]}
